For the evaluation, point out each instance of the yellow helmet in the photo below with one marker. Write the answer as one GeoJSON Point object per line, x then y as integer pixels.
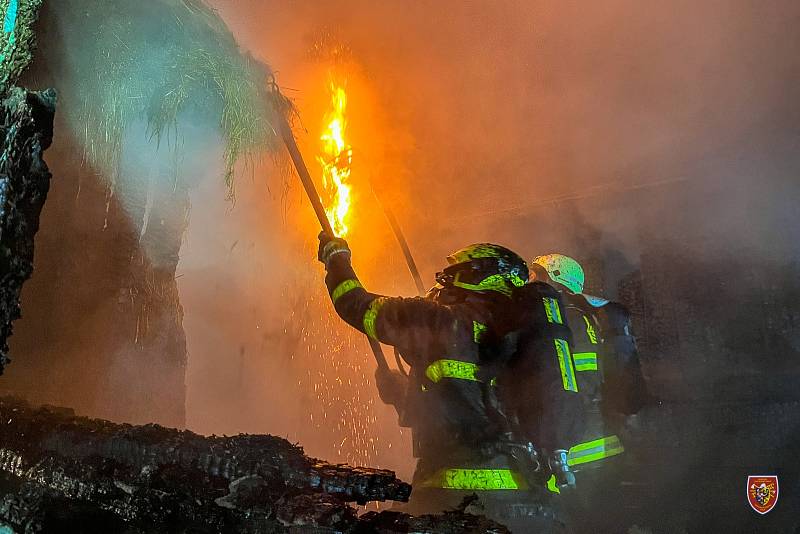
{"type": "Point", "coordinates": [484, 267]}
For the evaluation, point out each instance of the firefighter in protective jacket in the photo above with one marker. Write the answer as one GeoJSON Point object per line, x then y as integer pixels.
{"type": "Point", "coordinates": [609, 384]}
{"type": "Point", "coordinates": [453, 342]}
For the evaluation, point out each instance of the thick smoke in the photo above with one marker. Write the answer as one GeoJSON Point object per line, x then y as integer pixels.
{"type": "Point", "coordinates": [617, 132]}
{"type": "Point", "coordinates": [515, 103]}
{"type": "Point", "coordinates": [589, 129]}
{"type": "Point", "coordinates": [541, 125]}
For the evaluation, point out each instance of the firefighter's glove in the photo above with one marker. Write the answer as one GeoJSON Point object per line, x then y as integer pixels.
{"type": "Point", "coordinates": [330, 247]}
{"type": "Point", "coordinates": [392, 385]}
{"type": "Point", "coordinates": [564, 476]}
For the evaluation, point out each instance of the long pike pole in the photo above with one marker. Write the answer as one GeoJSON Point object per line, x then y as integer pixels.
{"type": "Point", "coordinates": [319, 210]}
{"type": "Point", "coordinates": [401, 240]}
{"type": "Point", "coordinates": [412, 265]}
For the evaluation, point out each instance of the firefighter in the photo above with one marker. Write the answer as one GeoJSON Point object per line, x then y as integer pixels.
{"type": "Point", "coordinates": [453, 342]}
{"type": "Point", "coordinates": [609, 385]}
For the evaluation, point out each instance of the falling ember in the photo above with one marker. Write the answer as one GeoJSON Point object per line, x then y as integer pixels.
{"type": "Point", "coordinates": [343, 420]}
{"type": "Point", "coordinates": [336, 158]}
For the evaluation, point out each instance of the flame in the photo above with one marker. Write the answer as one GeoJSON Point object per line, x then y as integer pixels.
{"type": "Point", "coordinates": [336, 159]}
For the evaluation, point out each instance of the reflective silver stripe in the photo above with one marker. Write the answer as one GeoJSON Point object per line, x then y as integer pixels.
{"type": "Point", "coordinates": [565, 363]}
{"type": "Point", "coordinates": [552, 310]}
{"type": "Point", "coordinates": [594, 450]}
{"type": "Point", "coordinates": [585, 361]}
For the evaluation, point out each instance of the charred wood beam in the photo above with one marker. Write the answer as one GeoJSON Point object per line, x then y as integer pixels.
{"type": "Point", "coordinates": [57, 468]}
{"type": "Point", "coordinates": [33, 435]}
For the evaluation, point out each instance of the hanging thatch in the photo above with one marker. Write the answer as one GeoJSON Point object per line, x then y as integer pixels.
{"type": "Point", "coordinates": [154, 60]}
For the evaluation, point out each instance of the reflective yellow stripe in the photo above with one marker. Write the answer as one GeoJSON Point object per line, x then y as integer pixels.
{"type": "Point", "coordinates": [451, 369]}
{"type": "Point", "coordinates": [585, 361]}
{"type": "Point", "coordinates": [477, 331]}
{"type": "Point", "coordinates": [551, 484]}
{"type": "Point", "coordinates": [495, 282]}
{"type": "Point", "coordinates": [371, 315]}
{"type": "Point", "coordinates": [454, 369]}
{"type": "Point", "coordinates": [565, 363]}
{"type": "Point", "coordinates": [344, 288]}
{"type": "Point", "coordinates": [590, 331]}
{"type": "Point", "coordinates": [553, 311]}
{"type": "Point", "coordinates": [591, 451]}
{"type": "Point", "coordinates": [476, 479]}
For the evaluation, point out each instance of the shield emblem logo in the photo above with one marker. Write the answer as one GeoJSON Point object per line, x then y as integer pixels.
{"type": "Point", "coordinates": [762, 492]}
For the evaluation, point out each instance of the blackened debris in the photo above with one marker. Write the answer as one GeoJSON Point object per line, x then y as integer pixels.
{"type": "Point", "coordinates": [455, 522]}
{"type": "Point", "coordinates": [56, 467]}
{"type": "Point", "coordinates": [26, 130]}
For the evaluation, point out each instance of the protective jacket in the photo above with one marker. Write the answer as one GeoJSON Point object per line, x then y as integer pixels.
{"type": "Point", "coordinates": [448, 402]}
{"type": "Point", "coordinates": [539, 386]}
{"type": "Point", "coordinates": [458, 347]}
{"type": "Point", "coordinates": [608, 378]}
{"type": "Point", "coordinates": [455, 352]}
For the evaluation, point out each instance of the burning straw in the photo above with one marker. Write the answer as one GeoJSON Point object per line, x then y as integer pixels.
{"type": "Point", "coordinates": [154, 62]}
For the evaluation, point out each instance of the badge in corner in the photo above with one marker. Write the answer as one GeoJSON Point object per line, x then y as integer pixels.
{"type": "Point", "coordinates": [762, 492]}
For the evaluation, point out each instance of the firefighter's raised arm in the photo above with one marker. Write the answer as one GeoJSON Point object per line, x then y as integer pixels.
{"type": "Point", "coordinates": [408, 323]}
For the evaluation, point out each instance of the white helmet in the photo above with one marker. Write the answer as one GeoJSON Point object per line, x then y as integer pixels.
{"type": "Point", "coordinates": [562, 269]}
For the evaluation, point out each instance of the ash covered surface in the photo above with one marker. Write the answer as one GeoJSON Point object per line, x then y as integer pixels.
{"type": "Point", "coordinates": [26, 127]}
{"type": "Point", "coordinates": [58, 469]}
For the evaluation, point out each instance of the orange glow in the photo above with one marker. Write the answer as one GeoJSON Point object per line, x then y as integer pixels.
{"type": "Point", "coordinates": [336, 159]}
